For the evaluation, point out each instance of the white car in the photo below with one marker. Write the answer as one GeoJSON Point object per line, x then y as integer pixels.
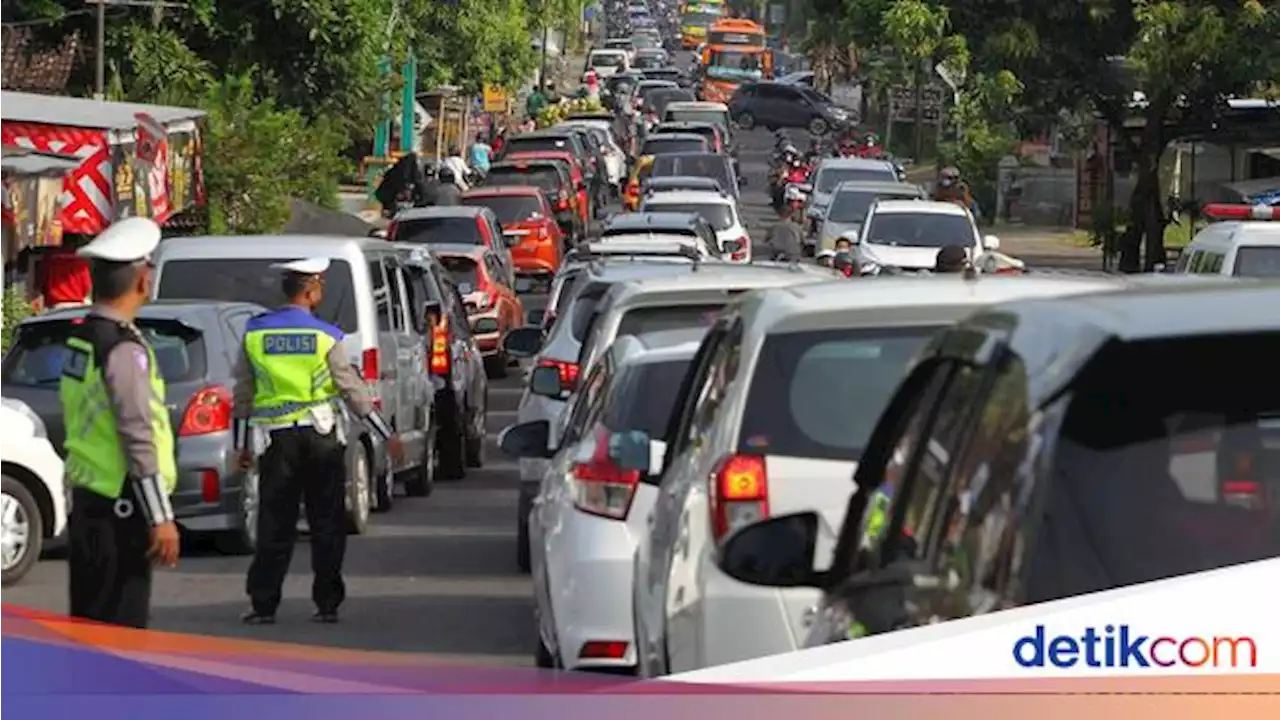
{"type": "Point", "coordinates": [907, 234]}
{"type": "Point", "coordinates": [589, 512]}
{"type": "Point", "coordinates": [615, 160]}
{"type": "Point", "coordinates": [608, 61]}
{"type": "Point", "coordinates": [720, 211]}
{"type": "Point", "coordinates": [1246, 244]}
{"type": "Point", "coordinates": [772, 423]}
{"type": "Point", "coordinates": [34, 500]}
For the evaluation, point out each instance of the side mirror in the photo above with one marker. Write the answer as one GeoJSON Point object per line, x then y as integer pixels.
{"type": "Point", "coordinates": [523, 342]}
{"type": "Point", "coordinates": [991, 242]}
{"type": "Point", "coordinates": [631, 451]}
{"type": "Point", "coordinates": [527, 440]}
{"type": "Point", "coordinates": [777, 552]}
{"type": "Point", "coordinates": [545, 381]}
{"type": "Point", "coordinates": [524, 285]}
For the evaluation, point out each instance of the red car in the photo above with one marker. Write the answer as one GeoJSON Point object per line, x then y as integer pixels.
{"type": "Point", "coordinates": [528, 218]}
{"type": "Point", "coordinates": [581, 197]}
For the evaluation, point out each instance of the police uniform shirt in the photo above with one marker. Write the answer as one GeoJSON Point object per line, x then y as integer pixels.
{"type": "Point", "coordinates": [126, 372]}
{"type": "Point", "coordinates": [350, 385]}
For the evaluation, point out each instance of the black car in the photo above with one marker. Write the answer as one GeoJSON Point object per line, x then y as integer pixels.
{"type": "Point", "coordinates": [675, 75]}
{"type": "Point", "coordinates": [1047, 449]}
{"type": "Point", "coordinates": [709, 165]}
{"type": "Point", "coordinates": [777, 105]}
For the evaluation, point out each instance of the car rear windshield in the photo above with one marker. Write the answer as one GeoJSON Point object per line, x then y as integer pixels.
{"type": "Point", "coordinates": [538, 144]}
{"type": "Point", "coordinates": [920, 230]}
{"type": "Point", "coordinates": [508, 208]}
{"type": "Point", "coordinates": [461, 269]}
{"type": "Point", "coordinates": [461, 230]}
{"type": "Point", "coordinates": [254, 280]}
{"type": "Point", "coordinates": [644, 397]}
{"type": "Point", "coordinates": [1165, 483]}
{"type": "Point", "coordinates": [715, 167]}
{"type": "Point", "coordinates": [718, 215]}
{"type": "Point", "coordinates": [852, 205]}
{"type": "Point", "coordinates": [819, 393]}
{"type": "Point", "coordinates": [645, 320]}
{"type": "Point", "coordinates": [39, 349]}
{"type": "Point", "coordinates": [660, 145]}
{"type": "Point", "coordinates": [546, 177]}
{"type": "Point", "coordinates": [607, 60]}
{"type": "Point", "coordinates": [707, 116]}
{"type": "Point", "coordinates": [1257, 261]}
{"type": "Point", "coordinates": [660, 99]}
{"type": "Point", "coordinates": [829, 178]}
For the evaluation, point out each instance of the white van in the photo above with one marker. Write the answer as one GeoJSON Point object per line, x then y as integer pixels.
{"type": "Point", "coordinates": [607, 62]}
{"type": "Point", "coordinates": [369, 295]}
{"type": "Point", "coordinates": [1239, 247]}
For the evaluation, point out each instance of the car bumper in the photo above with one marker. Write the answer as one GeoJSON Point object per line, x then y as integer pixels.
{"type": "Point", "coordinates": [732, 605]}
{"type": "Point", "coordinates": [39, 457]}
{"type": "Point", "coordinates": [588, 561]}
{"type": "Point", "coordinates": [534, 265]}
{"type": "Point", "coordinates": [210, 489]}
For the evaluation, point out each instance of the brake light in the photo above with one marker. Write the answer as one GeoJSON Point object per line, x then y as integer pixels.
{"type": "Point", "coordinates": [600, 487]}
{"type": "Point", "coordinates": [208, 411]}
{"type": "Point", "coordinates": [369, 372]}
{"type": "Point", "coordinates": [603, 650]}
{"type": "Point", "coordinates": [438, 360]}
{"type": "Point", "coordinates": [210, 486]}
{"type": "Point", "coordinates": [1227, 211]}
{"type": "Point", "coordinates": [1241, 488]}
{"type": "Point", "coordinates": [391, 229]}
{"type": "Point", "coordinates": [568, 373]}
{"type": "Point", "coordinates": [744, 247]}
{"type": "Point", "coordinates": [740, 496]}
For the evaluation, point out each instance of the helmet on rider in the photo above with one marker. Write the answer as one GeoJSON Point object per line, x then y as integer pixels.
{"type": "Point", "coordinates": [948, 176]}
{"type": "Point", "coordinates": [951, 259]}
{"type": "Point", "coordinates": [446, 174]}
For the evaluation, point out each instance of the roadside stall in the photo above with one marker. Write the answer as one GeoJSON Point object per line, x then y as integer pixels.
{"type": "Point", "coordinates": [33, 184]}
{"type": "Point", "coordinates": [124, 159]}
{"type": "Point", "coordinates": [450, 113]}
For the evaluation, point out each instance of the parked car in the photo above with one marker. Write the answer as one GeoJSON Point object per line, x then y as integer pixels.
{"type": "Point", "coordinates": [711, 165]}
{"type": "Point", "coordinates": [717, 208]}
{"type": "Point", "coordinates": [564, 188]}
{"type": "Point", "coordinates": [1246, 245]}
{"type": "Point", "coordinates": [662, 227]}
{"type": "Point", "coordinates": [491, 303]}
{"type": "Point", "coordinates": [33, 500]}
{"type": "Point", "coordinates": [777, 411]}
{"type": "Point", "coordinates": [849, 204]}
{"type": "Point", "coordinates": [196, 344]}
{"type": "Point", "coordinates": [457, 369]}
{"type": "Point", "coordinates": [776, 105]}
{"type": "Point", "coordinates": [907, 234]}
{"type": "Point", "coordinates": [528, 221]}
{"type": "Point", "coordinates": [831, 172]}
{"type": "Point", "coordinates": [455, 225]}
{"type": "Point", "coordinates": [1012, 481]}
{"type": "Point", "coordinates": [365, 297]}
{"type": "Point", "coordinates": [588, 512]}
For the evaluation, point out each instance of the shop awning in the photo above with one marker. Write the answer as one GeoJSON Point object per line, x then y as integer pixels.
{"type": "Point", "coordinates": [85, 112]}
{"type": "Point", "coordinates": [18, 161]}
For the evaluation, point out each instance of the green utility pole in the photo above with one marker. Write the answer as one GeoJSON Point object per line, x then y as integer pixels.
{"type": "Point", "coordinates": [408, 129]}
{"type": "Point", "coordinates": [382, 132]}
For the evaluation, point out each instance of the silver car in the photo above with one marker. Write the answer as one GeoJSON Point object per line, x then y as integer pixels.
{"type": "Point", "coordinates": [849, 206]}
{"type": "Point", "coordinates": [833, 171]}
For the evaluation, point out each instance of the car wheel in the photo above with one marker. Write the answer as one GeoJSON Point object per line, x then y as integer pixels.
{"type": "Point", "coordinates": [23, 530]}
{"type": "Point", "coordinates": [384, 492]}
{"type": "Point", "coordinates": [451, 439]}
{"type": "Point", "coordinates": [476, 439]}
{"type": "Point", "coordinates": [542, 657]}
{"type": "Point", "coordinates": [244, 539]}
{"type": "Point", "coordinates": [496, 366]}
{"type": "Point", "coordinates": [818, 126]}
{"type": "Point", "coordinates": [746, 120]}
{"type": "Point", "coordinates": [358, 490]}
{"type": "Point", "coordinates": [420, 481]}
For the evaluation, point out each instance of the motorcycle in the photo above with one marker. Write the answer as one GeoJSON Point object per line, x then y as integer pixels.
{"type": "Point", "coordinates": [796, 196]}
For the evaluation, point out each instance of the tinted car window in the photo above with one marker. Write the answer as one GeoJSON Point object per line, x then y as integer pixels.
{"type": "Point", "coordinates": [642, 321]}
{"type": "Point", "coordinates": [660, 144]}
{"type": "Point", "coordinates": [381, 295]}
{"type": "Point", "coordinates": [461, 269]}
{"type": "Point", "coordinates": [1257, 261]}
{"type": "Point", "coordinates": [508, 208]}
{"type": "Point", "coordinates": [546, 178]}
{"type": "Point", "coordinates": [715, 167]}
{"type": "Point", "coordinates": [708, 116]}
{"type": "Point", "coordinates": [920, 230]}
{"type": "Point", "coordinates": [852, 205]}
{"type": "Point", "coordinates": [254, 281]}
{"type": "Point", "coordinates": [584, 308]}
{"type": "Point", "coordinates": [39, 349]}
{"type": "Point", "coordinates": [1164, 483]}
{"type": "Point", "coordinates": [718, 215]}
{"type": "Point", "coordinates": [536, 144]}
{"type": "Point", "coordinates": [645, 396]}
{"type": "Point", "coordinates": [607, 60]}
{"type": "Point", "coordinates": [829, 178]}
{"type": "Point", "coordinates": [819, 393]}
{"type": "Point", "coordinates": [439, 230]}
{"type": "Point", "coordinates": [660, 99]}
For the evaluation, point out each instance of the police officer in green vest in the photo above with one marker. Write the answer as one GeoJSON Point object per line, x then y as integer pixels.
{"type": "Point", "coordinates": [288, 384]}
{"type": "Point", "coordinates": [120, 447]}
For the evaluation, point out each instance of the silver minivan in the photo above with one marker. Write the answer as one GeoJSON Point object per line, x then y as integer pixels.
{"type": "Point", "coordinates": [369, 296]}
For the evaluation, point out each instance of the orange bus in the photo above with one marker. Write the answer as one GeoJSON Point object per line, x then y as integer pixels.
{"type": "Point", "coordinates": [736, 52]}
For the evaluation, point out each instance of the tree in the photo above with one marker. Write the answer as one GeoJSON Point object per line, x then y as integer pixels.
{"type": "Point", "coordinates": [918, 31]}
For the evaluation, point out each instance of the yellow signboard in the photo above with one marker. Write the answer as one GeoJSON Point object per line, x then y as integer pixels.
{"type": "Point", "coordinates": [495, 99]}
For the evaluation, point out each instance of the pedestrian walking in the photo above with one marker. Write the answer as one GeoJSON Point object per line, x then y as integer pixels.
{"type": "Point", "coordinates": [120, 448]}
{"type": "Point", "coordinates": [288, 382]}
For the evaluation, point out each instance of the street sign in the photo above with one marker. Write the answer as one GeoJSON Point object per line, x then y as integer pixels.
{"type": "Point", "coordinates": [953, 77]}
{"type": "Point", "coordinates": [903, 100]}
{"type": "Point", "coordinates": [495, 99]}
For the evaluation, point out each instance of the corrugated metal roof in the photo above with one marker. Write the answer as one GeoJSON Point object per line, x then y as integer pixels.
{"type": "Point", "coordinates": [84, 112]}
{"type": "Point", "coordinates": [23, 162]}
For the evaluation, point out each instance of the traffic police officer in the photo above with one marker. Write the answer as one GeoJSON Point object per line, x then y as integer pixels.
{"type": "Point", "coordinates": [288, 382]}
{"type": "Point", "coordinates": [120, 447]}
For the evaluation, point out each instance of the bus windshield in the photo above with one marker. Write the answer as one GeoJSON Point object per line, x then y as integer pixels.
{"type": "Point", "coordinates": [735, 63]}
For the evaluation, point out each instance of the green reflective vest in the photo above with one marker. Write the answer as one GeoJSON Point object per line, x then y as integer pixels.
{"type": "Point", "coordinates": [290, 373]}
{"type": "Point", "coordinates": [96, 459]}
{"type": "Point", "coordinates": [877, 516]}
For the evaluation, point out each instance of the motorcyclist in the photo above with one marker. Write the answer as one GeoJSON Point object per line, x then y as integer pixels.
{"type": "Point", "coordinates": [785, 239]}
{"type": "Point", "coordinates": [448, 192]}
{"type": "Point", "coordinates": [951, 259]}
{"type": "Point", "coordinates": [950, 188]}
{"type": "Point", "coordinates": [458, 167]}
{"type": "Point", "coordinates": [405, 184]}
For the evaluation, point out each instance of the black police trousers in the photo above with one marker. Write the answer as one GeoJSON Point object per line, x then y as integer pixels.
{"type": "Point", "coordinates": [300, 466]}
{"type": "Point", "coordinates": [110, 574]}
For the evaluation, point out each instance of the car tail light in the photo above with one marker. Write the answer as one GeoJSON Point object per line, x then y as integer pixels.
{"type": "Point", "coordinates": [210, 486]}
{"type": "Point", "coordinates": [568, 373]}
{"type": "Point", "coordinates": [391, 229]}
{"type": "Point", "coordinates": [208, 411]}
{"type": "Point", "coordinates": [369, 371]}
{"type": "Point", "coordinates": [603, 650]}
{"type": "Point", "coordinates": [744, 247]}
{"type": "Point", "coordinates": [438, 360]}
{"type": "Point", "coordinates": [1239, 485]}
{"type": "Point", "coordinates": [740, 496]}
{"type": "Point", "coordinates": [1227, 211]}
{"type": "Point", "coordinates": [600, 487]}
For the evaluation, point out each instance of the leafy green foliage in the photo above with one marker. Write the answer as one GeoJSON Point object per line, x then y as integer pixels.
{"type": "Point", "coordinates": [985, 133]}
{"type": "Point", "coordinates": [16, 309]}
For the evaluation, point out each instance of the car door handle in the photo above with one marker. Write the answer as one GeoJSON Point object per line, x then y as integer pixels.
{"type": "Point", "coordinates": [809, 615]}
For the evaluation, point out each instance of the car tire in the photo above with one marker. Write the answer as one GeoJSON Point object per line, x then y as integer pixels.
{"type": "Point", "coordinates": [19, 500]}
{"type": "Point", "coordinates": [384, 492]}
{"type": "Point", "coordinates": [496, 367]}
{"type": "Point", "coordinates": [421, 481]}
{"type": "Point", "coordinates": [244, 539]}
{"type": "Point", "coordinates": [476, 439]}
{"type": "Point", "coordinates": [542, 657]}
{"type": "Point", "coordinates": [818, 126]}
{"type": "Point", "coordinates": [451, 439]}
{"type": "Point", "coordinates": [359, 492]}
{"type": "Point", "coordinates": [746, 120]}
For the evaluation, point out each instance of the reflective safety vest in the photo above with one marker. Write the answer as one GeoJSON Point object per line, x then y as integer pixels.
{"type": "Point", "coordinates": [96, 459]}
{"type": "Point", "coordinates": [290, 372]}
{"type": "Point", "coordinates": [877, 516]}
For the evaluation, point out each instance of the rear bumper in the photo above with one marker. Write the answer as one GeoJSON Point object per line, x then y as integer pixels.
{"type": "Point", "coordinates": [213, 457]}
{"type": "Point", "coordinates": [589, 575]}
{"type": "Point", "coordinates": [534, 265]}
